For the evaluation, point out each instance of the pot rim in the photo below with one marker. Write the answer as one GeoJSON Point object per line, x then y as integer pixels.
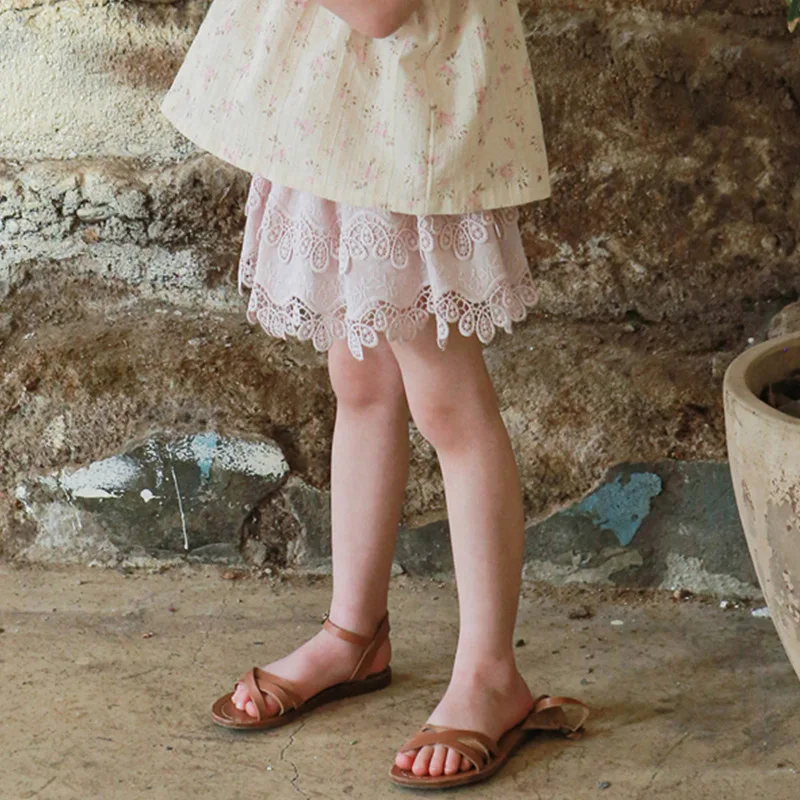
{"type": "Point", "coordinates": [735, 382]}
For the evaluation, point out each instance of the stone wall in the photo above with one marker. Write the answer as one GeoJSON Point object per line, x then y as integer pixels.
{"type": "Point", "coordinates": [668, 245]}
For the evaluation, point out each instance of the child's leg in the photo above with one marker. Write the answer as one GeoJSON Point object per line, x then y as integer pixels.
{"type": "Point", "coordinates": [455, 407]}
{"type": "Point", "coordinates": [369, 474]}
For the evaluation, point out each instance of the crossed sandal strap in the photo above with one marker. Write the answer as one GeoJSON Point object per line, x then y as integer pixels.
{"type": "Point", "coordinates": [459, 740]}
{"type": "Point", "coordinates": [260, 683]}
{"type": "Point", "coordinates": [369, 645]}
{"type": "Point", "coordinates": [548, 715]}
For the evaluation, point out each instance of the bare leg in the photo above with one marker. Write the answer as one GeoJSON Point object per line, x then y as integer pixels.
{"type": "Point", "coordinates": [455, 407]}
{"type": "Point", "coordinates": [369, 474]}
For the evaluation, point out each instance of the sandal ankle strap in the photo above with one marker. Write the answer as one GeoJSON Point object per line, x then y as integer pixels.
{"type": "Point", "coordinates": [347, 636]}
{"type": "Point", "coordinates": [369, 645]}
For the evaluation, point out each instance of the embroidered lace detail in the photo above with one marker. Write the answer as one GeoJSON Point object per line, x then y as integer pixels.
{"type": "Point", "coordinates": [298, 237]}
{"type": "Point", "coordinates": [367, 235]}
{"type": "Point", "coordinates": [321, 271]}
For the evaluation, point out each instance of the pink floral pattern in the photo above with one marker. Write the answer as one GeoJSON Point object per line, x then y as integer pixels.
{"type": "Point", "coordinates": [440, 118]}
{"type": "Point", "coordinates": [319, 270]}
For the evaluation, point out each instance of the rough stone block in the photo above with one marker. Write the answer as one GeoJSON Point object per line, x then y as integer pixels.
{"type": "Point", "coordinates": [786, 321]}
{"type": "Point", "coordinates": [670, 524]}
{"type": "Point", "coordinates": [163, 498]}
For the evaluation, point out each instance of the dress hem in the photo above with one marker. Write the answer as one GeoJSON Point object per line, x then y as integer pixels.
{"type": "Point", "coordinates": [489, 199]}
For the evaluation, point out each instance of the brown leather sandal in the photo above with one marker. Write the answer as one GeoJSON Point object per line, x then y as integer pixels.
{"type": "Point", "coordinates": [486, 755]}
{"type": "Point", "coordinates": [261, 684]}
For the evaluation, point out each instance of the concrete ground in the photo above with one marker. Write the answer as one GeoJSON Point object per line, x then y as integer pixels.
{"type": "Point", "coordinates": [689, 700]}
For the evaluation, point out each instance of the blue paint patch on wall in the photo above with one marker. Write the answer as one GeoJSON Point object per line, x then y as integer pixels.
{"type": "Point", "coordinates": [204, 445]}
{"type": "Point", "coordinates": [621, 505]}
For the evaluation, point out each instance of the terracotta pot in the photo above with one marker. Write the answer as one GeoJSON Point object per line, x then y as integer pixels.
{"type": "Point", "coordinates": [764, 453]}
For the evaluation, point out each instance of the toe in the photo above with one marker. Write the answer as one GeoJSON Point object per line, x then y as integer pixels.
{"type": "Point", "coordinates": [436, 767]}
{"type": "Point", "coordinates": [406, 760]}
{"type": "Point", "coordinates": [466, 765]}
{"type": "Point", "coordinates": [422, 762]}
{"type": "Point", "coordinates": [453, 762]}
{"type": "Point", "coordinates": [250, 708]}
{"type": "Point", "coordinates": [240, 697]}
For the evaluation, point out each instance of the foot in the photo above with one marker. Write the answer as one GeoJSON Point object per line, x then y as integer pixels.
{"type": "Point", "coordinates": [320, 663]}
{"type": "Point", "coordinates": [489, 701]}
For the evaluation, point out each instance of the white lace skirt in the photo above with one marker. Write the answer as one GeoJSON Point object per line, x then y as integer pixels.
{"type": "Point", "coordinates": [319, 270]}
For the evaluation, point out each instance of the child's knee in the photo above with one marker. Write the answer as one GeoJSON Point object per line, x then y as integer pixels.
{"type": "Point", "coordinates": [359, 385]}
{"type": "Point", "coordinates": [441, 421]}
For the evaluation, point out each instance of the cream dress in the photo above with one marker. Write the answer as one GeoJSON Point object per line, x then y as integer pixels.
{"type": "Point", "coordinates": [386, 173]}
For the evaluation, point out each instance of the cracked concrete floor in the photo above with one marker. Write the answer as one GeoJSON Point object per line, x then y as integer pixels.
{"type": "Point", "coordinates": [688, 700]}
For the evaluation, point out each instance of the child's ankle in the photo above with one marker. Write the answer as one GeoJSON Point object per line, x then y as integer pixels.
{"type": "Point", "coordinates": [486, 668]}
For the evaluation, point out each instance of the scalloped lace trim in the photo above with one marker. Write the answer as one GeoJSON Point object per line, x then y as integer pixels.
{"type": "Point", "coordinates": [505, 305]}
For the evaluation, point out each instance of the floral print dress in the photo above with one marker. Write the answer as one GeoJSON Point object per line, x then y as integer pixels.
{"type": "Point", "coordinates": [386, 173]}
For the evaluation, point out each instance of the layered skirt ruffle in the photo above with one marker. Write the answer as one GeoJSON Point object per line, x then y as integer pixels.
{"type": "Point", "coordinates": [320, 271]}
